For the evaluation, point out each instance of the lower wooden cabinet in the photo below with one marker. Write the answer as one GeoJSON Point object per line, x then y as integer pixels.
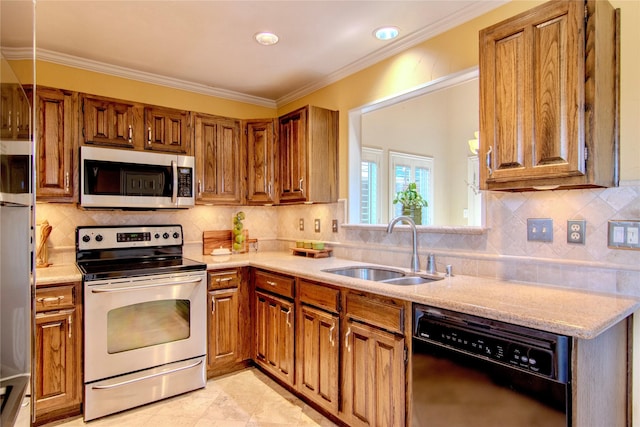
{"type": "Point", "coordinates": [318, 357]}
{"type": "Point", "coordinates": [228, 341]}
{"type": "Point", "coordinates": [274, 326]}
{"type": "Point", "coordinates": [58, 334]}
{"type": "Point", "coordinates": [374, 377]}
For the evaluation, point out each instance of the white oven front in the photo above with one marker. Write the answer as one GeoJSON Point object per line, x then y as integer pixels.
{"type": "Point", "coordinates": [137, 323]}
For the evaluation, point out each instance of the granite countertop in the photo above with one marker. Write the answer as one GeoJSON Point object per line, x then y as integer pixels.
{"type": "Point", "coordinates": [569, 312]}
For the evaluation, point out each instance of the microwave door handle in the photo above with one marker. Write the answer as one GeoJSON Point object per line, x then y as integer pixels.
{"type": "Point", "coordinates": [174, 171]}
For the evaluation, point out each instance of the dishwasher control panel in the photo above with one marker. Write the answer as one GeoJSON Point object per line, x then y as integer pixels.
{"type": "Point", "coordinates": [534, 351]}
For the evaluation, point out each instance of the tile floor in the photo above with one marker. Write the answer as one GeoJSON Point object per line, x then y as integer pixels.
{"type": "Point", "coordinates": [246, 398]}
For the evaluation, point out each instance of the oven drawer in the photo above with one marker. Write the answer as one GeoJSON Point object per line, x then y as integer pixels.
{"type": "Point", "coordinates": [223, 279]}
{"type": "Point", "coordinates": [281, 285]}
{"type": "Point", "coordinates": [55, 298]}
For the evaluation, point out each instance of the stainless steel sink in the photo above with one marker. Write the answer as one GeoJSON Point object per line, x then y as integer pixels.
{"type": "Point", "coordinates": [385, 275]}
{"type": "Point", "coordinates": [412, 280]}
{"type": "Point", "coordinates": [377, 274]}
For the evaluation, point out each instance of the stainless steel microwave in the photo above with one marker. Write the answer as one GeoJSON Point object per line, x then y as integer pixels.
{"type": "Point", "coordinates": [15, 173]}
{"type": "Point", "coordinates": [121, 179]}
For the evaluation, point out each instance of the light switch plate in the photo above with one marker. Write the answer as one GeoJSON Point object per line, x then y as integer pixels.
{"type": "Point", "coordinates": [301, 224]}
{"type": "Point", "coordinates": [316, 225]}
{"type": "Point", "coordinates": [540, 230]}
{"type": "Point", "coordinates": [624, 234]}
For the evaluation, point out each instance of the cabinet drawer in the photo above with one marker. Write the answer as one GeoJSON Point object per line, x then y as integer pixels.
{"type": "Point", "coordinates": [319, 295]}
{"type": "Point", "coordinates": [382, 312]}
{"type": "Point", "coordinates": [222, 279]}
{"type": "Point", "coordinates": [54, 298]}
{"type": "Point", "coordinates": [281, 285]}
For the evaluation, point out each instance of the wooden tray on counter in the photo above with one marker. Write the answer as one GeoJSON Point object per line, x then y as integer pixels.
{"type": "Point", "coordinates": [312, 253]}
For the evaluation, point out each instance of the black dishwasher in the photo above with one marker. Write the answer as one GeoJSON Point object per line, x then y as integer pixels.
{"type": "Point", "coordinates": [472, 371]}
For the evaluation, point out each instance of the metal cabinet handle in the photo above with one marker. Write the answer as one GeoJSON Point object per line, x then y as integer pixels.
{"type": "Point", "coordinates": [130, 134]}
{"type": "Point", "coordinates": [269, 282]}
{"type": "Point", "coordinates": [346, 339]}
{"type": "Point", "coordinates": [70, 319]}
{"type": "Point", "coordinates": [50, 299]}
{"type": "Point", "coordinates": [331, 340]}
{"type": "Point", "coordinates": [213, 304]}
{"type": "Point", "coordinates": [224, 279]}
{"type": "Point", "coordinates": [488, 160]}
{"type": "Point", "coordinates": [199, 187]}
{"type": "Point", "coordinates": [301, 188]}
{"type": "Point", "coordinates": [66, 181]}
{"type": "Point", "coordinates": [9, 121]}
{"type": "Point", "coordinates": [288, 313]}
{"type": "Point", "coordinates": [149, 136]}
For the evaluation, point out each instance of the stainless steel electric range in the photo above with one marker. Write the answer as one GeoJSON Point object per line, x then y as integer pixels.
{"type": "Point", "coordinates": [144, 316]}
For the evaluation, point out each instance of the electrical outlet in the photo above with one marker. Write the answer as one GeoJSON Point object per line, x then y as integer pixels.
{"type": "Point", "coordinates": [576, 231]}
{"type": "Point", "coordinates": [301, 224]}
{"type": "Point", "coordinates": [540, 229]}
{"type": "Point", "coordinates": [316, 225]}
{"type": "Point", "coordinates": [334, 225]}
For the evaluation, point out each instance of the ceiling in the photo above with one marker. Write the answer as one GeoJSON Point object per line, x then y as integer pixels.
{"type": "Point", "coordinates": [208, 46]}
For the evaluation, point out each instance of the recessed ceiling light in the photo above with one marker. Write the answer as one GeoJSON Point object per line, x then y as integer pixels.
{"type": "Point", "coordinates": [386, 33]}
{"type": "Point", "coordinates": [266, 39]}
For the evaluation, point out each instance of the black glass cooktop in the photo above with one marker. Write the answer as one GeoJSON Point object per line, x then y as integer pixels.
{"type": "Point", "coordinates": [114, 268]}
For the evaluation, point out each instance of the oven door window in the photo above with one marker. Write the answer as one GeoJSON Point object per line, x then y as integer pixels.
{"type": "Point", "coordinates": [148, 323]}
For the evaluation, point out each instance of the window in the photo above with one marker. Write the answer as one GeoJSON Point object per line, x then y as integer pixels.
{"type": "Point", "coordinates": [407, 168]}
{"type": "Point", "coordinates": [370, 185]}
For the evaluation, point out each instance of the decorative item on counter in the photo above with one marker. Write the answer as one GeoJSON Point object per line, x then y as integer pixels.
{"type": "Point", "coordinates": [312, 250]}
{"type": "Point", "coordinates": [238, 238]}
{"type": "Point", "coordinates": [412, 202]}
{"type": "Point", "coordinates": [42, 252]}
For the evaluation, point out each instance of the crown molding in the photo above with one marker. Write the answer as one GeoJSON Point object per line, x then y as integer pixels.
{"type": "Point", "coordinates": [472, 11]}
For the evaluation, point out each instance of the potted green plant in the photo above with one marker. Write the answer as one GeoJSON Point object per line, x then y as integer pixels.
{"type": "Point", "coordinates": [412, 202]}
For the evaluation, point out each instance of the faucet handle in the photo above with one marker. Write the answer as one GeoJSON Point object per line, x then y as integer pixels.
{"type": "Point", "coordinates": [431, 264]}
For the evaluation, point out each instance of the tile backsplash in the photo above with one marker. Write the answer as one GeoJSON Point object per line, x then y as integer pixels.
{"type": "Point", "coordinates": [499, 250]}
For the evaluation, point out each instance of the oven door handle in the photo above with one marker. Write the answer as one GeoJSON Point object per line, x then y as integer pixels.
{"type": "Point", "coordinates": [146, 377]}
{"type": "Point", "coordinates": [151, 285]}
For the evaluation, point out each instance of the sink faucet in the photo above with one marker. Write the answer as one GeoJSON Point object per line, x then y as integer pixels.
{"type": "Point", "coordinates": [415, 263]}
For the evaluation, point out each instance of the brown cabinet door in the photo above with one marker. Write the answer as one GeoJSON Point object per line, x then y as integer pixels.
{"type": "Point", "coordinates": [317, 358]}
{"type": "Point", "coordinates": [16, 112]}
{"type": "Point", "coordinates": [292, 155]}
{"type": "Point", "coordinates": [55, 145]}
{"type": "Point", "coordinates": [261, 160]}
{"type": "Point", "coordinates": [111, 122]}
{"type": "Point", "coordinates": [274, 336]}
{"type": "Point", "coordinates": [532, 96]}
{"type": "Point", "coordinates": [223, 328]}
{"type": "Point", "coordinates": [57, 371]}
{"type": "Point", "coordinates": [167, 130]}
{"type": "Point", "coordinates": [374, 377]}
{"type": "Point", "coordinates": [219, 160]}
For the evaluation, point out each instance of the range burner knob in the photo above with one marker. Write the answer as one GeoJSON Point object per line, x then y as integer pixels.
{"type": "Point", "coordinates": [99, 238]}
{"type": "Point", "coordinates": [176, 235]}
{"type": "Point", "coordinates": [157, 235]}
{"type": "Point", "coordinates": [165, 235]}
{"type": "Point", "coordinates": [86, 238]}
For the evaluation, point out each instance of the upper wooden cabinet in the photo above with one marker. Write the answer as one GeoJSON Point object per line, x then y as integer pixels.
{"type": "Point", "coordinates": [56, 143]}
{"type": "Point", "coordinates": [261, 160]}
{"type": "Point", "coordinates": [308, 156]}
{"type": "Point", "coordinates": [548, 98]}
{"type": "Point", "coordinates": [219, 160]}
{"type": "Point", "coordinates": [168, 130]}
{"type": "Point", "coordinates": [111, 122]}
{"type": "Point", "coordinates": [16, 112]}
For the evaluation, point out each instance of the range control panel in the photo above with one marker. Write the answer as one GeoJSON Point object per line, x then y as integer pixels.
{"type": "Point", "coordinates": [527, 349]}
{"type": "Point", "coordinates": [123, 237]}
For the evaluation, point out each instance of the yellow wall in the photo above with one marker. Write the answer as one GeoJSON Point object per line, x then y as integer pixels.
{"type": "Point", "coordinates": [457, 50]}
